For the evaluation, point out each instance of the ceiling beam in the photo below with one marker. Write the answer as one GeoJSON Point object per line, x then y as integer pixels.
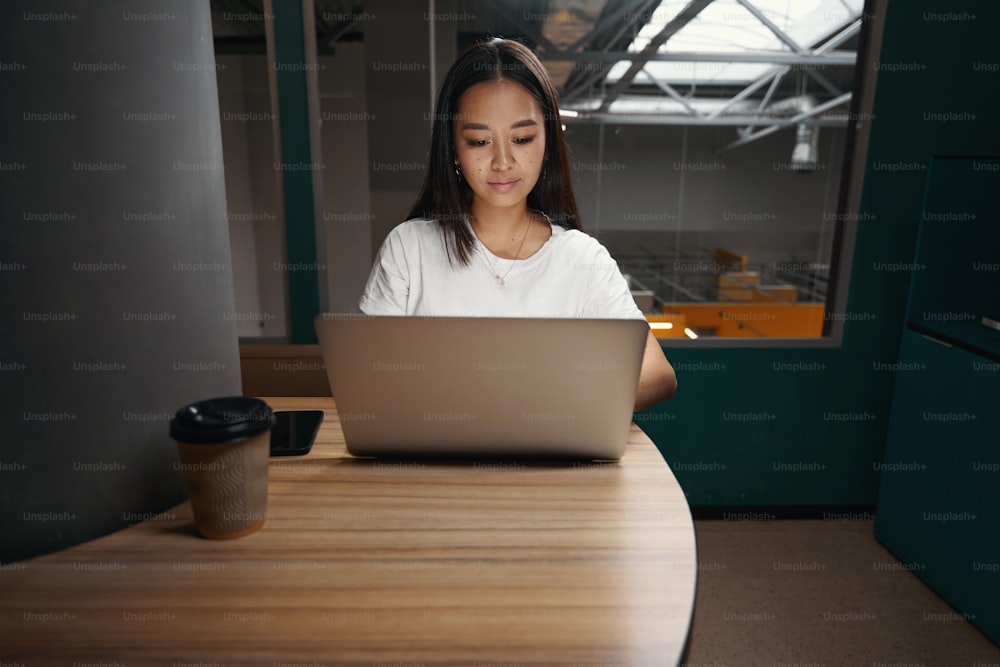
{"type": "Point", "coordinates": [573, 86]}
{"type": "Point", "coordinates": [774, 76]}
{"type": "Point", "coordinates": [668, 89]}
{"type": "Point", "coordinates": [686, 15]}
{"type": "Point", "coordinates": [764, 101]}
{"type": "Point", "coordinates": [831, 59]}
{"type": "Point", "coordinates": [840, 37]}
{"type": "Point", "coordinates": [787, 40]}
{"type": "Point", "coordinates": [623, 17]}
{"type": "Point", "coordinates": [772, 26]}
{"type": "Point", "coordinates": [794, 120]}
{"type": "Point", "coordinates": [658, 118]}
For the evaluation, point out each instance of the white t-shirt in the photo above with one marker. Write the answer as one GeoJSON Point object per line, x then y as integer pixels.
{"type": "Point", "coordinates": [571, 275]}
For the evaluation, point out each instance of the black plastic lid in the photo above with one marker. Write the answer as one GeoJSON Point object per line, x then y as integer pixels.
{"type": "Point", "coordinates": [222, 419]}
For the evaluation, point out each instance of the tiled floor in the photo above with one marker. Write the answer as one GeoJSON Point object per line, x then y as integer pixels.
{"type": "Point", "coordinates": [809, 593]}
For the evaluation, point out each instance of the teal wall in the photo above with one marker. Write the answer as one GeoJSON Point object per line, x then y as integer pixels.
{"type": "Point", "coordinates": [828, 409]}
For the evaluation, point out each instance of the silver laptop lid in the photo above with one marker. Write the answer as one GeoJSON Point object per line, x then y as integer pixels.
{"type": "Point", "coordinates": [416, 386]}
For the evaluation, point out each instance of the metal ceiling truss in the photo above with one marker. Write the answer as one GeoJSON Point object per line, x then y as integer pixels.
{"type": "Point", "coordinates": [622, 20]}
{"type": "Point", "coordinates": [834, 58]}
{"type": "Point", "coordinates": [626, 19]}
{"type": "Point", "coordinates": [640, 59]}
{"type": "Point", "coordinates": [774, 126]}
{"type": "Point", "coordinates": [580, 42]}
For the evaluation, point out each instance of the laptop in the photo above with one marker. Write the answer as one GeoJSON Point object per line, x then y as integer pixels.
{"type": "Point", "coordinates": [483, 387]}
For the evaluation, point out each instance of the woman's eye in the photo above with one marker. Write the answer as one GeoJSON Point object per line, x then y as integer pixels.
{"type": "Point", "coordinates": [524, 140]}
{"type": "Point", "coordinates": [477, 142]}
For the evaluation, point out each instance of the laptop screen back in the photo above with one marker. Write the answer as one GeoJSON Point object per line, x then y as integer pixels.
{"type": "Point", "coordinates": [493, 387]}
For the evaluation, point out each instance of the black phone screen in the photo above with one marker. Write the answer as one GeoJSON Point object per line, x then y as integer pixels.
{"type": "Point", "coordinates": [294, 431]}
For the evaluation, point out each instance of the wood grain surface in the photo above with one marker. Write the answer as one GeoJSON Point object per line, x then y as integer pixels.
{"type": "Point", "coordinates": [385, 564]}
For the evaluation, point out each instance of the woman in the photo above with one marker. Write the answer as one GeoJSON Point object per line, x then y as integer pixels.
{"type": "Point", "coordinates": [495, 231]}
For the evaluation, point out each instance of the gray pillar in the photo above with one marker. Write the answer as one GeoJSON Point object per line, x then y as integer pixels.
{"type": "Point", "coordinates": [117, 287]}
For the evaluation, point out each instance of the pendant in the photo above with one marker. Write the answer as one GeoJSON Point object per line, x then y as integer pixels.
{"type": "Point", "coordinates": [499, 279]}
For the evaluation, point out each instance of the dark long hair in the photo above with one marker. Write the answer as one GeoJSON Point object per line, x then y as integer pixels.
{"type": "Point", "coordinates": [445, 196]}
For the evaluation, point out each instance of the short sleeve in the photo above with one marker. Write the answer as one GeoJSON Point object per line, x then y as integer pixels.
{"type": "Point", "coordinates": [609, 295]}
{"type": "Point", "coordinates": [388, 288]}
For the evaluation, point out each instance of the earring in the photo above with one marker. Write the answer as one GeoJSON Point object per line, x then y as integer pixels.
{"type": "Point", "coordinates": [458, 169]}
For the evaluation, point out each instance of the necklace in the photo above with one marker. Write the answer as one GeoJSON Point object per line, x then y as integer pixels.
{"type": "Point", "coordinates": [502, 280]}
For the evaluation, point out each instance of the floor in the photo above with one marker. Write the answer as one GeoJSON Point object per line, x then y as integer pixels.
{"type": "Point", "coordinates": [796, 593]}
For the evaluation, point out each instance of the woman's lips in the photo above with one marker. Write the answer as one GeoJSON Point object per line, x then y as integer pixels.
{"type": "Point", "coordinates": [504, 186]}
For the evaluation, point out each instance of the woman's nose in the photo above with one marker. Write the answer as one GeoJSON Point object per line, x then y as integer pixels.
{"type": "Point", "coordinates": [502, 159]}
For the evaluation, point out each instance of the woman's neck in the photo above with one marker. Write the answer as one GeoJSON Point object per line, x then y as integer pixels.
{"type": "Point", "coordinates": [500, 223]}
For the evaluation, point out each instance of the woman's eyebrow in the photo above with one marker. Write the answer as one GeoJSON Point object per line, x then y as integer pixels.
{"type": "Point", "coordinates": [482, 126]}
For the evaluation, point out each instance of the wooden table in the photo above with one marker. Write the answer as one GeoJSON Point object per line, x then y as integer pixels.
{"type": "Point", "coordinates": [385, 564]}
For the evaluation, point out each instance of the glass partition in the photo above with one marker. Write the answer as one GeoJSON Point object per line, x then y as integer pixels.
{"type": "Point", "coordinates": [709, 158]}
{"type": "Point", "coordinates": [709, 140]}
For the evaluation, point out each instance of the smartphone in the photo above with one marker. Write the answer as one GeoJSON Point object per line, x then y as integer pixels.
{"type": "Point", "coordinates": [294, 431]}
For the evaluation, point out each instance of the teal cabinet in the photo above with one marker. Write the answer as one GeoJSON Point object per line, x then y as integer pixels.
{"type": "Point", "coordinates": [939, 492]}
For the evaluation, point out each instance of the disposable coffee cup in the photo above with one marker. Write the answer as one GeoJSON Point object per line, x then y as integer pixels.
{"type": "Point", "coordinates": [224, 445]}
